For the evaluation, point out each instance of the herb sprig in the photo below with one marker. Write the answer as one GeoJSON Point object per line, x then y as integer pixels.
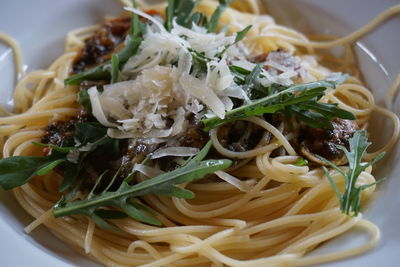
{"type": "Point", "coordinates": [301, 162]}
{"type": "Point", "coordinates": [18, 170]}
{"type": "Point", "coordinates": [214, 20]}
{"type": "Point", "coordinates": [350, 199]}
{"type": "Point", "coordinates": [299, 101]}
{"type": "Point", "coordinates": [181, 10]}
{"type": "Point", "coordinates": [103, 71]}
{"type": "Point", "coordinates": [122, 198]}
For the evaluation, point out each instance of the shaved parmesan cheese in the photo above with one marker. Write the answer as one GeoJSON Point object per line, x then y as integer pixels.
{"type": "Point", "coordinates": [175, 152]}
{"type": "Point", "coordinates": [219, 76]}
{"type": "Point", "coordinates": [195, 107]}
{"type": "Point", "coordinates": [156, 48]}
{"type": "Point", "coordinates": [233, 181]}
{"type": "Point", "coordinates": [201, 41]}
{"type": "Point", "coordinates": [205, 94]}
{"type": "Point", "coordinates": [162, 85]}
{"type": "Point", "coordinates": [115, 108]}
{"type": "Point", "coordinates": [179, 122]}
{"type": "Point", "coordinates": [147, 170]}
{"type": "Point", "coordinates": [97, 109]}
{"type": "Point", "coordinates": [227, 103]}
{"type": "Point", "coordinates": [283, 60]}
{"type": "Point", "coordinates": [73, 156]}
{"type": "Point", "coordinates": [147, 16]}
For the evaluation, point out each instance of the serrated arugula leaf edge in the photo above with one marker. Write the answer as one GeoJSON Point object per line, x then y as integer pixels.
{"type": "Point", "coordinates": [163, 184]}
{"type": "Point", "coordinates": [254, 107]}
{"type": "Point", "coordinates": [18, 170]}
{"type": "Point", "coordinates": [350, 199]}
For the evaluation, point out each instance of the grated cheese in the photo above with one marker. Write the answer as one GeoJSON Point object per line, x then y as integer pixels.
{"type": "Point", "coordinates": [159, 88]}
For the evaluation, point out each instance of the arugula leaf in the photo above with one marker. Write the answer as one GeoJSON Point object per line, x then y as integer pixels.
{"type": "Point", "coordinates": [288, 100]}
{"type": "Point", "coordinates": [46, 169]}
{"type": "Point", "coordinates": [181, 10]}
{"type": "Point", "coordinates": [114, 68]}
{"type": "Point", "coordinates": [110, 214]}
{"type": "Point", "coordinates": [89, 132]}
{"type": "Point", "coordinates": [163, 184]}
{"type": "Point", "coordinates": [135, 22]}
{"type": "Point", "coordinates": [239, 36]}
{"type": "Point", "coordinates": [312, 119]}
{"type": "Point", "coordinates": [102, 72]}
{"type": "Point", "coordinates": [316, 114]}
{"type": "Point", "coordinates": [84, 100]}
{"type": "Point", "coordinates": [54, 147]}
{"type": "Point", "coordinates": [200, 58]}
{"type": "Point", "coordinates": [94, 135]}
{"type": "Point", "coordinates": [18, 170]}
{"type": "Point", "coordinates": [196, 18]}
{"type": "Point", "coordinates": [350, 200]}
{"type": "Point", "coordinates": [70, 174]}
{"type": "Point", "coordinates": [129, 50]}
{"type": "Point", "coordinates": [169, 14]}
{"type": "Point", "coordinates": [214, 20]}
{"type": "Point", "coordinates": [301, 162]}
{"type": "Point", "coordinates": [253, 75]}
{"type": "Point", "coordinates": [93, 140]}
{"type": "Point", "coordinates": [99, 72]}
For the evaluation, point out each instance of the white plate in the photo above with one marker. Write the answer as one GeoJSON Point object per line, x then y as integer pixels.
{"type": "Point", "coordinates": [39, 27]}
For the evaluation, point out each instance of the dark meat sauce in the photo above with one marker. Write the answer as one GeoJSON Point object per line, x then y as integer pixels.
{"type": "Point", "coordinates": [63, 131]}
{"type": "Point", "coordinates": [104, 42]}
{"type": "Point", "coordinates": [99, 47]}
{"type": "Point", "coordinates": [240, 136]}
{"type": "Point", "coordinates": [236, 136]}
{"type": "Point", "coordinates": [323, 142]}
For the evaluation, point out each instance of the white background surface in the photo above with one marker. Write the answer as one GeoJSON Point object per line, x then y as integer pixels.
{"type": "Point", "coordinates": [40, 26]}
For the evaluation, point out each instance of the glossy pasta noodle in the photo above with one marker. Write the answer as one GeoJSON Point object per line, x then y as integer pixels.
{"type": "Point", "coordinates": [267, 212]}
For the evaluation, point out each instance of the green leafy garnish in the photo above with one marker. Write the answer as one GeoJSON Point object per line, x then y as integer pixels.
{"type": "Point", "coordinates": [97, 73]}
{"type": "Point", "coordinates": [114, 68]}
{"type": "Point", "coordinates": [214, 20]}
{"type": "Point", "coordinates": [102, 72]}
{"type": "Point", "coordinates": [93, 140]}
{"type": "Point", "coordinates": [136, 26]}
{"type": "Point", "coordinates": [64, 150]}
{"type": "Point", "coordinates": [18, 170]}
{"type": "Point", "coordinates": [350, 200]}
{"type": "Point", "coordinates": [84, 100]}
{"type": "Point", "coordinates": [200, 58]}
{"type": "Point", "coordinates": [181, 10]}
{"type": "Point", "coordinates": [239, 37]}
{"type": "Point", "coordinates": [253, 75]}
{"type": "Point", "coordinates": [301, 162]}
{"type": "Point", "coordinates": [170, 14]}
{"type": "Point", "coordinates": [299, 101]}
{"type": "Point", "coordinates": [163, 184]}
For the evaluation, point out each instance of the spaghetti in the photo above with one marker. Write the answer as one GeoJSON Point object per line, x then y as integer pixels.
{"type": "Point", "coordinates": [266, 211]}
